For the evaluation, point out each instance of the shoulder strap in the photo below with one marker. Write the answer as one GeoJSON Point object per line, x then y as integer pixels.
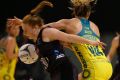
{"type": "Point", "coordinates": [40, 34]}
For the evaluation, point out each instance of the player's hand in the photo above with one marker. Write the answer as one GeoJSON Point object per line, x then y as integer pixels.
{"type": "Point", "coordinates": [14, 22]}
{"type": "Point", "coordinates": [98, 43]}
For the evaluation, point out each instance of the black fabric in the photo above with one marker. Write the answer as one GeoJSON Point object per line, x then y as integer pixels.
{"type": "Point", "coordinates": [49, 49]}
{"type": "Point", "coordinates": [62, 71]}
{"type": "Point", "coordinates": [59, 66]}
{"type": "Point", "coordinates": [35, 71]}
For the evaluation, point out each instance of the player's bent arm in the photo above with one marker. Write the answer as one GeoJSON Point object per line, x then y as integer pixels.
{"type": "Point", "coordinates": [52, 34]}
{"type": "Point", "coordinates": [11, 43]}
{"type": "Point", "coordinates": [113, 49]}
{"type": "Point", "coordinates": [61, 24]}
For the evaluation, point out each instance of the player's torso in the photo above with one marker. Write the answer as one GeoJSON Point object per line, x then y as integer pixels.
{"type": "Point", "coordinates": [51, 49]}
{"type": "Point", "coordinates": [7, 67]}
{"type": "Point", "coordinates": [86, 53]}
{"type": "Point", "coordinates": [3, 57]}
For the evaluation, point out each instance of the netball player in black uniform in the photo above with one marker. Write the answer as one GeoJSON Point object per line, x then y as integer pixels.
{"type": "Point", "coordinates": [35, 71]}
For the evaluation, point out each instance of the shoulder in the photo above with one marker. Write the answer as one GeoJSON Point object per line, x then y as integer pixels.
{"type": "Point", "coordinates": [11, 42]}
{"type": "Point", "coordinates": [49, 34]}
{"type": "Point", "coordinates": [11, 39]}
{"type": "Point", "coordinates": [95, 28]}
{"type": "Point", "coordinates": [74, 20]}
{"type": "Point", "coordinates": [69, 20]}
{"type": "Point", "coordinates": [48, 30]}
{"type": "Point", "coordinates": [64, 21]}
{"type": "Point", "coordinates": [93, 25]}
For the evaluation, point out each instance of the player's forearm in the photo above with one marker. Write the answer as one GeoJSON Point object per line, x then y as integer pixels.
{"type": "Point", "coordinates": [110, 56]}
{"type": "Point", "coordinates": [56, 25]}
{"type": "Point", "coordinates": [79, 40]}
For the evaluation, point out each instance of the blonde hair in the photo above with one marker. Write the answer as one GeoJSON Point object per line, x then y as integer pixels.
{"type": "Point", "coordinates": [81, 2]}
{"type": "Point", "coordinates": [81, 8]}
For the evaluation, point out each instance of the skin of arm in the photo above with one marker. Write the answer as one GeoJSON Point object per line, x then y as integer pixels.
{"type": "Point", "coordinates": [61, 24]}
{"type": "Point", "coordinates": [113, 49]}
{"type": "Point", "coordinates": [51, 34]}
{"type": "Point", "coordinates": [11, 43]}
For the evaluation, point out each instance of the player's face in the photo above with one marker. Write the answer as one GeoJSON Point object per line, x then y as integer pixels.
{"type": "Point", "coordinates": [14, 30]}
{"type": "Point", "coordinates": [28, 31]}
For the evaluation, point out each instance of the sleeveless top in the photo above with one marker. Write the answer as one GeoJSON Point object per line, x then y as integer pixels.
{"type": "Point", "coordinates": [87, 53]}
{"type": "Point", "coordinates": [52, 50]}
{"type": "Point", "coordinates": [3, 57]}
{"type": "Point", "coordinates": [7, 67]}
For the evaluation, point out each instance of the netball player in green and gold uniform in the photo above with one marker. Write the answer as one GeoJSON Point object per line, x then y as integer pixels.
{"type": "Point", "coordinates": [8, 53]}
{"type": "Point", "coordinates": [94, 62]}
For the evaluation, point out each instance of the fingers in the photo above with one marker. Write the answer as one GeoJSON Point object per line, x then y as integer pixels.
{"type": "Point", "coordinates": [101, 44]}
{"type": "Point", "coordinates": [13, 22]}
{"type": "Point", "coordinates": [16, 18]}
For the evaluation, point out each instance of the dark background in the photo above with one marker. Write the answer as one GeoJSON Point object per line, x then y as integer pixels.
{"type": "Point", "coordinates": [106, 14]}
